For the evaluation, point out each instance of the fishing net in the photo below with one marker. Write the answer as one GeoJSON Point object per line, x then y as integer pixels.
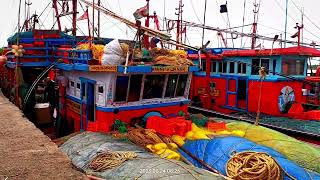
{"type": "Point", "coordinates": [300, 125]}
{"type": "Point", "coordinates": [82, 149]}
{"type": "Point", "coordinates": [304, 154]}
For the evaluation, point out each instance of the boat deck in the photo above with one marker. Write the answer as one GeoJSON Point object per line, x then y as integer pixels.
{"type": "Point", "coordinates": [26, 153]}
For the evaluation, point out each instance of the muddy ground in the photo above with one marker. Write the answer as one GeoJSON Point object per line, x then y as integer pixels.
{"type": "Point", "coordinates": [26, 153]}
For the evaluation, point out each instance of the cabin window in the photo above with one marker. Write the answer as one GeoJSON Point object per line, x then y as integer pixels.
{"type": "Point", "coordinates": [72, 84]}
{"type": "Point", "coordinates": [78, 90]}
{"type": "Point", "coordinates": [153, 86]}
{"type": "Point", "coordinates": [100, 89]}
{"type": "Point", "coordinates": [274, 65]}
{"type": "Point", "coordinates": [255, 66]}
{"type": "Point", "coordinates": [214, 67]}
{"type": "Point", "coordinates": [231, 67]}
{"type": "Point", "coordinates": [121, 88]}
{"type": "Point", "coordinates": [171, 85]}
{"type": "Point", "coordinates": [135, 87]}
{"type": "Point", "coordinates": [222, 67]}
{"type": "Point", "coordinates": [100, 97]}
{"type": "Point", "coordinates": [242, 68]}
{"type": "Point", "coordinates": [182, 82]}
{"type": "Point", "coordinates": [293, 67]}
{"type": "Point", "coordinates": [257, 63]}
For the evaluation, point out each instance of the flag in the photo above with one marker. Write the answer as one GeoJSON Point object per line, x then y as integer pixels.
{"type": "Point", "coordinates": [141, 12]}
{"type": "Point", "coordinates": [223, 8]}
{"type": "Point", "coordinates": [84, 16]}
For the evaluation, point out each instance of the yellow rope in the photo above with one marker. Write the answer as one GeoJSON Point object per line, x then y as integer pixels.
{"type": "Point", "coordinates": [109, 160]}
{"type": "Point", "coordinates": [253, 165]}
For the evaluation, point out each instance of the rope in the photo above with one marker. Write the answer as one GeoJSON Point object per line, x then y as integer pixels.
{"type": "Point", "coordinates": [253, 165]}
{"type": "Point", "coordinates": [263, 74]}
{"type": "Point", "coordinates": [143, 137]}
{"type": "Point", "coordinates": [109, 160]}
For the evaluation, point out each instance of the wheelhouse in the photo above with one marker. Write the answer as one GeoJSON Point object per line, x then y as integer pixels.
{"type": "Point", "coordinates": [234, 81]}
{"type": "Point", "coordinates": [100, 94]}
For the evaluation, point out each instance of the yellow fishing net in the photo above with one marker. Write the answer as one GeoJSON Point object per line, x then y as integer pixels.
{"type": "Point", "coordinates": [302, 153]}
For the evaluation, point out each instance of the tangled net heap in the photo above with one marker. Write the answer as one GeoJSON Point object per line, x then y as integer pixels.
{"type": "Point", "coordinates": [253, 165]}
{"type": "Point", "coordinates": [109, 160]}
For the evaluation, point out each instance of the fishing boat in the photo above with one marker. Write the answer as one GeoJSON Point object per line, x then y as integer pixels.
{"type": "Point", "coordinates": [120, 91]}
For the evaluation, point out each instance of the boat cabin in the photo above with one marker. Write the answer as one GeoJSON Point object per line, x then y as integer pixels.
{"type": "Point", "coordinates": [101, 94]}
{"type": "Point", "coordinates": [234, 82]}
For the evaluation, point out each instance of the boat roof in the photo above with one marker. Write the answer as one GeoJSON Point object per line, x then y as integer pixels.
{"type": "Point", "coordinates": [294, 51]}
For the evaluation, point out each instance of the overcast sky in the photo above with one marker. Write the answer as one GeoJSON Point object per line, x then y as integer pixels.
{"type": "Point", "coordinates": [271, 18]}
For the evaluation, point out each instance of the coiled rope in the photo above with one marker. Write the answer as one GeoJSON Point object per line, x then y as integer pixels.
{"type": "Point", "coordinates": [143, 137]}
{"type": "Point", "coordinates": [109, 160]}
{"type": "Point", "coordinates": [253, 165]}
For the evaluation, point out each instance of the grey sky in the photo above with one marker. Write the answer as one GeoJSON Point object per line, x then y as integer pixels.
{"type": "Point", "coordinates": [271, 17]}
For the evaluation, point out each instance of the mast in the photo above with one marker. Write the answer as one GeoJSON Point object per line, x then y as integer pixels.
{"type": "Point", "coordinates": [92, 21]}
{"type": "Point", "coordinates": [179, 22]}
{"type": "Point", "coordinates": [147, 24]}
{"type": "Point", "coordinates": [99, 3]}
{"type": "Point", "coordinates": [55, 6]}
{"type": "Point", "coordinates": [286, 24]}
{"type": "Point", "coordinates": [74, 17]}
{"type": "Point", "coordinates": [254, 28]}
{"type": "Point", "coordinates": [204, 21]}
{"type": "Point", "coordinates": [74, 12]}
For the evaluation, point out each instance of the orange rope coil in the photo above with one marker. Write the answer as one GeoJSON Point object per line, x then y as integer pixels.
{"type": "Point", "coordinates": [253, 165]}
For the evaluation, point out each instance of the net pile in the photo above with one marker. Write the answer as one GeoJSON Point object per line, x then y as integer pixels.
{"type": "Point", "coordinates": [83, 148]}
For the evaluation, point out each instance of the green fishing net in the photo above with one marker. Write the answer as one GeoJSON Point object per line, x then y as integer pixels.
{"type": "Point", "coordinates": [300, 125]}
{"type": "Point", "coordinates": [304, 154]}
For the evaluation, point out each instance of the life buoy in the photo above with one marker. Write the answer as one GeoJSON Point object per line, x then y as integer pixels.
{"type": "Point", "coordinates": [285, 98]}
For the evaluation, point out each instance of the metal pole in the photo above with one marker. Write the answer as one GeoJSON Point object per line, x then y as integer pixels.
{"type": "Point", "coordinates": [17, 101]}
{"type": "Point", "coordinates": [286, 24]}
{"type": "Point", "coordinates": [204, 21]}
{"type": "Point", "coordinates": [99, 3]}
{"type": "Point", "coordinates": [254, 29]}
{"type": "Point", "coordinates": [93, 21]}
{"type": "Point", "coordinates": [74, 17]}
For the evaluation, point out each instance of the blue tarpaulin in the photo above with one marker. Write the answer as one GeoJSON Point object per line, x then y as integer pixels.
{"type": "Point", "coordinates": [216, 152]}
